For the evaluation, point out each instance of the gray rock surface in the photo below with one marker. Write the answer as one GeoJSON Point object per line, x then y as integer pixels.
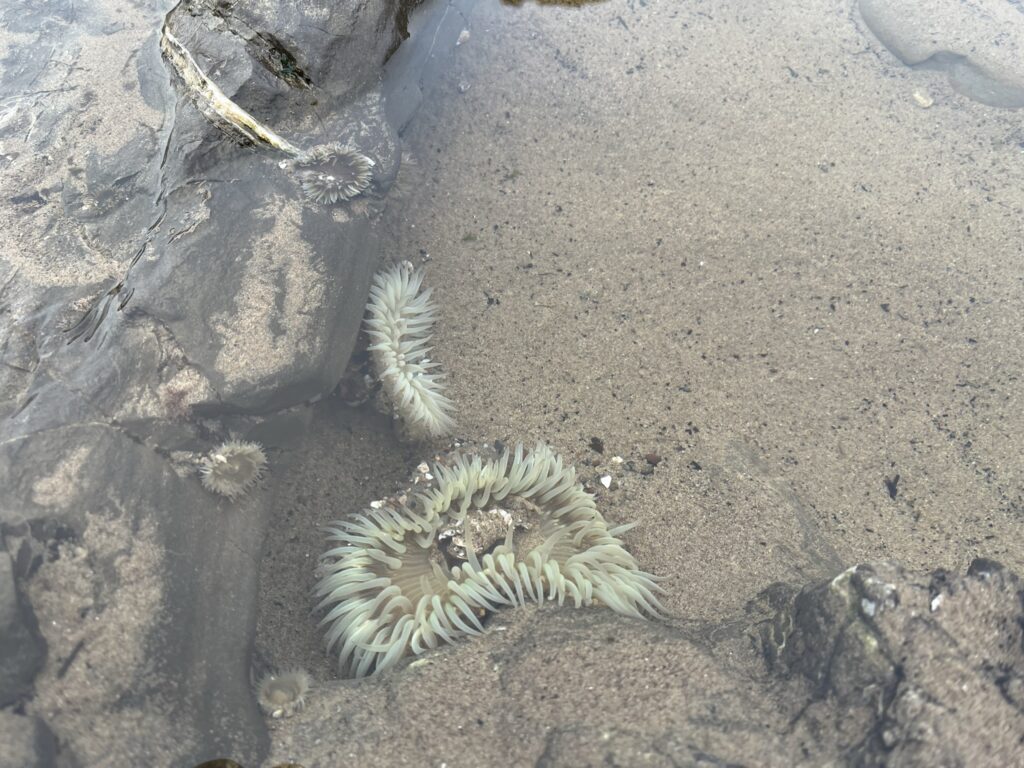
{"type": "Point", "coordinates": [873, 667]}
{"type": "Point", "coordinates": [979, 43]}
{"type": "Point", "coordinates": [551, 687]}
{"type": "Point", "coordinates": [158, 276]}
{"type": "Point", "coordinates": [27, 742]}
{"type": "Point", "coordinates": [911, 671]}
{"type": "Point", "coordinates": [22, 649]}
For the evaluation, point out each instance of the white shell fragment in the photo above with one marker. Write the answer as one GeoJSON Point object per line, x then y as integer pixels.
{"type": "Point", "coordinates": [922, 99]}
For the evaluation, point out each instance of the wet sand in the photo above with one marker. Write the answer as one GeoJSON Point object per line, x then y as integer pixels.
{"type": "Point", "coordinates": [725, 239]}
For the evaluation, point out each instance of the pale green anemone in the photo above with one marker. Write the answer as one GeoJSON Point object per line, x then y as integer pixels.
{"type": "Point", "coordinates": [402, 579]}
{"type": "Point", "coordinates": [399, 321]}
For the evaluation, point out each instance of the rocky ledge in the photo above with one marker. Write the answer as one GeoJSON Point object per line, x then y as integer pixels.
{"type": "Point", "coordinates": [165, 285]}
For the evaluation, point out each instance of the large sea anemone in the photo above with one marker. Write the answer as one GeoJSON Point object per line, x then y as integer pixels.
{"type": "Point", "coordinates": [402, 578]}
{"type": "Point", "coordinates": [331, 173]}
{"type": "Point", "coordinates": [399, 322]}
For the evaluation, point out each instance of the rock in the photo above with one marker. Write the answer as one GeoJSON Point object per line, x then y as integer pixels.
{"type": "Point", "coordinates": [596, 746]}
{"type": "Point", "coordinates": [164, 286]}
{"type": "Point", "coordinates": [873, 667]}
{"type": "Point", "coordinates": [27, 742]}
{"type": "Point", "coordinates": [22, 649]}
{"type": "Point", "coordinates": [143, 596]}
{"type": "Point", "coordinates": [911, 670]}
{"type": "Point", "coordinates": [550, 686]}
{"type": "Point", "coordinates": [979, 43]}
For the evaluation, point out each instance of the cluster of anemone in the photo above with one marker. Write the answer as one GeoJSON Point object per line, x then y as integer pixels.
{"type": "Point", "coordinates": [399, 322]}
{"type": "Point", "coordinates": [403, 578]}
{"type": "Point", "coordinates": [232, 468]}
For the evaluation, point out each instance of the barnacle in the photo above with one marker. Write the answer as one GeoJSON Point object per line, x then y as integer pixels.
{"type": "Point", "coordinates": [233, 468]}
{"type": "Point", "coordinates": [282, 694]}
{"type": "Point", "coordinates": [331, 173]}
{"type": "Point", "coordinates": [399, 322]}
{"type": "Point", "coordinates": [405, 578]}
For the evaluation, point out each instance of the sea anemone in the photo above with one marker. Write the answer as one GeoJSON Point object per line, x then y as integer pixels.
{"type": "Point", "coordinates": [331, 173]}
{"type": "Point", "coordinates": [233, 468]}
{"type": "Point", "coordinates": [403, 578]}
{"type": "Point", "coordinates": [399, 321]}
{"type": "Point", "coordinates": [282, 694]}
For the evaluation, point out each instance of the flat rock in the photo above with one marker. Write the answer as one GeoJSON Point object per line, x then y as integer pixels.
{"type": "Point", "coordinates": [979, 43]}
{"type": "Point", "coordinates": [22, 649]}
{"type": "Point", "coordinates": [142, 594]}
{"type": "Point", "coordinates": [549, 686]}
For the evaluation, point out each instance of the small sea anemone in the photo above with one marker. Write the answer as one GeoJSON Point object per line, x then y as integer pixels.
{"type": "Point", "coordinates": [282, 694]}
{"type": "Point", "coordinates": [331, 173]}
{"type": "Point", "coordinates": [399, 321]}
{"type": "Point", "coordinates": [233, 468]}
{"type": "Point", "coordinates": [402, 578]}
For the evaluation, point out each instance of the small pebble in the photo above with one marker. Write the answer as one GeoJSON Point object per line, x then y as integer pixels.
{"type": "Point", "coordinates": [653, 459]}
{"type": "Point", "coordinates": [923, 100]}
{"type": "Point", "coordinates": [606, 481]}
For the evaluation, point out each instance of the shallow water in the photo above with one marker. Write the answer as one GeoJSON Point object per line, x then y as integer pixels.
{"type": "Point", "coordinates": [744, 239]}
{"type": "Point", "coordinates": [701, 231]}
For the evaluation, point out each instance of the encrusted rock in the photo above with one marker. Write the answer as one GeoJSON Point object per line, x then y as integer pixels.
{"type": "Point", "coordinates": [911, 670]}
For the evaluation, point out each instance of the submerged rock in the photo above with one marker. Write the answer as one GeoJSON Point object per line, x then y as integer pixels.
{"type": "Point", "coordinates": [978, 43]}
{"type": "Point", "coordinates": [158, 277]}
{"type": "Point", "coordinates": [907, 670]}
{"type": "Point", "coordinates": [873, 667]}
{"type": "Point", "coordinates": [27, 742]}
{"type": "Point", "coordinates": [22, 649]}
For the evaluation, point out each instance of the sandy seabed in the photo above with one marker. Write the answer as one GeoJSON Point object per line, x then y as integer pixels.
{"type": "Point", "coordinates": [729, 238]}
